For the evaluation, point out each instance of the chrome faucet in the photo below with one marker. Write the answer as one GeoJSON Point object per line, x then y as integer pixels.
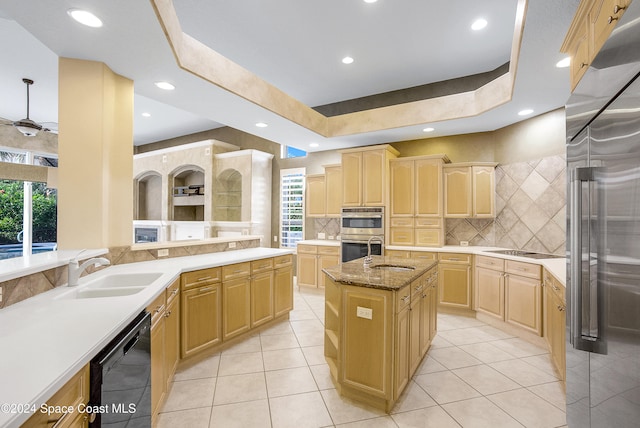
{"type": "Point", "coordinates": [75, 271]}
{"type": "Point", "coordinates": [369, 259]}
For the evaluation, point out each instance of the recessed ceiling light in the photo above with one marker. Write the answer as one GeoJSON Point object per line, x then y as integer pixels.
{"type": "Point", "coordinates": [261, 125]}
{"type": "Point", "coordinates": [428, 130]}
{"type": "Point", "coordinates": [564, 63]}
{"type": "Point", "coordinates": [85, 18]}
{"type": "Point", "coordinates": [347, 60]}
{"type": "Point", "coordinates": [165, 85]}
{"type": "Point", "coordinates": [525, 112]}
{"type": "Point", "coordinates": [145, 114]}
{"type": "Point", "coordinates": [316, 144]}
{"type": "Point", "coordinates": [370, 1]}
{"type": "Point", "coordinates": [479, 24]}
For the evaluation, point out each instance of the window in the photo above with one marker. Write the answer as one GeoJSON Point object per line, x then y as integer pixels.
{"type": "Point", "coordinates": [291, 207]}
{"type": "Point", "coordinates": [292, 152]}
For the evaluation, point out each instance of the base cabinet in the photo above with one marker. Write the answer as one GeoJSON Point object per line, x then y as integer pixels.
{"type": "Point", "coordinates": [201, 310]}
{"type": "Point", "coordinates": [554, 321]}
{"type": "Point", "coordinates": [454, 280]}
{"type": "Point", "coordinates": [489, 286]}
{"type": "Point", "coordinates": [312, 259]}
{"type": "Point", "coordinates": [523, 296]}
{"type": "Point", "coordinates": [283, 292]}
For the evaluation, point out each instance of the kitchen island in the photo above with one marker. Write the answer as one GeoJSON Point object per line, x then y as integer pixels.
{"type": "Point", "coordinates": [379, 322]}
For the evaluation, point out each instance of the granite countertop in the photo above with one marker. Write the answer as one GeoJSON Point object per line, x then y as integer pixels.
{"type": "Point", "coordinates": [354, 272]}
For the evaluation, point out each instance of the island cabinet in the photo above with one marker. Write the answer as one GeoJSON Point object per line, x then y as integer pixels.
{"type": "Point", "coordinates": [365, 175]}
{"type": "Point", "coordinates": [201, 310]}
{"type": "Point", "coordinates": [454, 280]}
{"type": "Point", "coordinates": [282, 289]}
{"type": "Point", "coordinates": [236, 299]}
{"type": "Point", "coordinates": [489, 286]}
{"type": "Point", "coordinates": [523, 295]}
{"type": "Point", "coordinates": [416, 202]}
{"type": "Point", "coordinates": [469, 190]}
{"type": "Point", "coordinates": [377, 334]}
{"type": "Point", "coordinates": [312, 259]}
{"type": "Point", "coordinates": [554, 309]}
{"type": "Point", "coordinates": [261, 292]}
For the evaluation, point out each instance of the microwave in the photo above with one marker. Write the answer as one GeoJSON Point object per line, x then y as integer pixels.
{"type": "Point", "coordinates": [367, 221]}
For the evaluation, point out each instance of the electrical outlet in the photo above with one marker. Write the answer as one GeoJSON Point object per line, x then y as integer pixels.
{"type": "Point", "coordinates": [232, 245]}
{"type": "Point", "coordinates": [366, 313]}
{"type": "Point", "coordinates": [275, 238]}
{"type": "Point", "coordinates": [464, 243]}
{"type": "Point", "coordinates": [164, 158]}
{"type": "Point", "coordinates": [1, 294]}
{"type": "Point", "coordinates": [321, 235]}
{"type": "Point", "coordinates": [164, 252]}
{"type": "Point", "coordinates": [332, 237]}
{"type": "Point", "coordinates": [207, 151]}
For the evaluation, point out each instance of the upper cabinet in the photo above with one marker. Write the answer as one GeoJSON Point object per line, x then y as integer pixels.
{"type": "Point", "coordinates": [333, 183]}
{"type": "Point", "coordinates": [591, 26]}
{"type": "Point", "coordinates": [324, 193]}
{"type": "Point", "coordinates": [365, 174]}
{"type": "Point", "coordinates": [316, 196]}
{"type": "Point", "coordinates": [469, 190]}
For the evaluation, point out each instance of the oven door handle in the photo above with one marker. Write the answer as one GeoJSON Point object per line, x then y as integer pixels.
{"type": "Point", "coordinates": [359, 241]}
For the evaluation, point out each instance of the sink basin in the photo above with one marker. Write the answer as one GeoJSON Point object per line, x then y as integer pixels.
{"type": "Point", "coordinates": [119, 280]}
{"type": "Point", "coordinates": [396, 268]}
{"type": "Point", "coordinates": [90, 293]}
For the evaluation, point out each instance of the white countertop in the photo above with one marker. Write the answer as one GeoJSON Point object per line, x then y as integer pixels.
{"type": "Point", "coordinates": [27, 265]}
{"type": "Point", "coordinates": [325, 242]}
{"type": "Point", "coordinates": [48, 338]}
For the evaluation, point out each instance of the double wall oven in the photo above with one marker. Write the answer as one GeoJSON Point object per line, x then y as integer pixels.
{"type": "Point", "coordinates": [357, 225]}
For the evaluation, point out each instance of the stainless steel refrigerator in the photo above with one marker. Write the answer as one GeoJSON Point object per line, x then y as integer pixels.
{"type": "Point", "coordinates": [603, 235]}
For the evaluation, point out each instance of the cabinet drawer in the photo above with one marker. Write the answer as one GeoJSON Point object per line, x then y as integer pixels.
{"type": "Point", "coordinates": [401, 236]}
{"type": "Point", "coordinates": [200, 277]}
{"type": "Point", "coordinates": [172, 291]}
{"type": "Point", "coordinates": [282, 261]}
{"type": "Point", "coordinates": [521, 268]}
{"type": "Point", "coordinates": [417, 287]}
{"type": "Point", "coordinates": [262, 265]}
{"type": "Point", "coordinates": [237, 270]}
{"type": "Point", "coordinates": [326, 250]}
{"type": "Point", "coordinates": [423, 255]}
{"type": "Point", "coordinates": [399, 254]}
{"type": "Point", "coordinates": [428, 222]}
{"type": "Point", "coordinates": [401, 222]}
{"type": "Point", "coordinates": [428, 237]}
{"type": "Point", "coordinates": [554, 286]}
{"type": "Point", "coordinates": [457, 258]}
{"type": "Point", "coordinates": [156, 308]}
{"type": "Point", "coordinates": [307, 249]}
{"type": "Point", "coordinates": [403, 297]}
{"type": "Point", "coordinates": [490, 263]}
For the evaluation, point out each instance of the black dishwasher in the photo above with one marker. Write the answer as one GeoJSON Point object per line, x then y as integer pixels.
{"type": "Point", "coordinates": [120, 391]}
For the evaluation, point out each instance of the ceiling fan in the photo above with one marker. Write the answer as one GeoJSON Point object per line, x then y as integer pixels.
{"type": "Point", "coordinates": [28, 127]}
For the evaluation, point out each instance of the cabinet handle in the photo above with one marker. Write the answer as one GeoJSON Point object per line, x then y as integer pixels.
{"type": "Point", "coordinates": [167, 314]}
{"type": "Point", "coordinates": [159, 308]}
{"type": "Point", "coordinates": [60, 421]}
{"type": "Point", "coordinates": [454, 259]}
{"type": "Point", "coordinates": [206, 289]}
{"type": "Point", "coordinates": [611, 19]}
{"type": "Point", "coordinates": [583, 65]}
{"type": "Point", "coordinates": [506, 275]}
{"type": "Point", "coordinates": [405, 299]}
{"type": "Point", "coordinates": [204, 278]}
{"type": "Point", "coordinates": [238, 271]}
{"type": "Point", "coordinates": [418, 288]}
{"type": "Point", "coordinates": [174, 292]}
{"type": "Point", "coordinates": [555, 288]}
{"type": "Point", "coordinates": [561, 308]}
{"type": "Point", "coordinates": [618, 8]}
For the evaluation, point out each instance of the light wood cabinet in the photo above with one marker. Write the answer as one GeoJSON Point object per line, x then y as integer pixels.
{"type": "Point", "coordinates": [489, 286]}
{"type": "Point", "coordinates": [454, 280]}
{"type": "Point", "coordinates": [401, 175]}
{"type": "Point", "coordinates": [172, 335]}
{"type": "Point", "coordinates": [316, 196]}
{"type": "Point", "coordinates": [312, 259]}
{"type": "Point", "coordinates": [283, 290]}
{"type": "Point", "coordinates": [523, 296]}
{"type": "Point", "coordinates": [402, 344]}
{"type": "Point", "coordinates": [591, 26]}
{"type": "Point", "coordinates": [201, 310]}
{"type": "Point", "coordinates": [365, 175]}
{"type": "Point", "coordinates": [74, 393]}
{"type": "Point", "coordinates": [236, 303]}
{"type": "Point", "coordinates": [261, 298]}
{"type": "Point", "coordinates": [554, 321]}
{"type": "Point", "coordinates": [469, 190]}
{"type": "Point", "coordinates": [416, 318]}
{"type": "Point", "coordinates": [333, 181]}
{"type": "Point", "coordinates": [158, 380]}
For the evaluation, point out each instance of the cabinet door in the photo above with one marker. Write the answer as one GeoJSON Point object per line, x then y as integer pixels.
{"type": "Point", "coordinates": [433, 314]}
{"type": "Point", "coordinates": [325, 261]}
{"type": "Point", "coordinates": [428, 237]}
{"type": "Point", "coordinates": [172, 340]}
{"type": "Point", "coordinates": [236, 303]}
{"type": "Point", "coordinates": [158, 384]}
{"type": "Point", "coordinates": [333, 181]}
{"type": "Point", "coordinates": [374, 173]}
{"type": "Point", "coordinates": [307, 268]}
{"type": "Point", "coordinates": [415, 316]}
{"type": "Point", "coordinates": [261, 298]}
{"type": "Point", "coordinates": [425, 320]}
{"type": "Point", "coordinates": [428, 187]}
{"type": "Point", "coordinates": [523, 298]}
{"type": "Point", "coordinates": [283, 291]}
{"type": "Point", "coordinates": [402, 352]}
{"type": "Point", "coordinates": [201, 318]}
{"type": "Point", "coordinates": [557, 326]}
{"type": "Point", "coordinates": [457, 192]}
{"type": "Point", "coordinates": [483, 191]}
{"type": "Point", "coordinates": [401, 236]}
{"type": "Point", "coordinates": [401, 184]}
{"type": "Point", "coordinates": [316, 196]}
{"type": "Point", "coordinates": [489, 286]}
{"type": "Point", "coordinates": [454, 285]}
{"type": "Point", "coordinates": [352, 179]}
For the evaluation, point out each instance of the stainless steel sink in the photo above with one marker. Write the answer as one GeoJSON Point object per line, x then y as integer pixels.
{"type": "Point", "coordinates": [528, 254]}
{"type": "Point", "coordinates": [396, 268]}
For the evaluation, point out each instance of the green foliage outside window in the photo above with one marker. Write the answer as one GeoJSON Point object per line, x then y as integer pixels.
{"type": "Point", "coordinates": [11, 212]}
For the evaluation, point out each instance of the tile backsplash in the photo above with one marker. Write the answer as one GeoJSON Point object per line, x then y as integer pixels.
{"type": "Point", "coordinates": [530, 209]}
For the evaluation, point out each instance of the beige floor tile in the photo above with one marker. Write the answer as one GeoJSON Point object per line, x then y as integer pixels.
{"type": "Point", "coordinates": [185, 418]}
{"type": "Point", "coordinates": [445, 387]}
{"type": "Point", "coordinates": [383, 422]}
{"type": "Point", "coordinates": [480, 413]}
{"type": "Point", "coordinates": [429, 365]}
{"type": "Point", "coordinates": [322, 376]}
{"type": "Point", "coordinates": [239, 388]}
{"type": "Point", "coordinates": [283, 327]}
{"type": "Point", "coordinates": [240, 363]}
{"type": "Point", "coordinates": [290, 381]}
{"type": "Point", "coordinates": [307, 326]}
{"type": "Point", "coordinates": [468, 335]}
{"type": "Point", "coordinates": [542, 362]}
{"type": "Point", "coordinates": [529, 409]}
{"type": "Point", "coordinates": [485, 379]}
{"type": "Point", "coordinates": [413, 397]}
{"type": "Point", "coordinates": [310, 339]}
{"type": "Point", "coordinates": [552, 392]}
{"type": "Point", "coordinates": [283, 359]}
{"type": "Point", "coordinates": [198, 368]}
{"type": "Point", "coordinates": [299, 411]}
{"type": "Point", "coordinates": [440, 342]}
{"type": "Point", "coordinates": [522, 373]}
{"type": "Point", "coordinates": [519, 348]}
{"type": "Point", "coordinates": [302, 314]}
{"type": "Point", "coordinates": [486, 352]}
{"type": "Point", "coordinates": [254, 414]}
{"type": "Point", "coordinates": [190, 394]}
{"type": "Point", "coordinates": [344, 410]}
{"type": "Point", "coordinates": [431, 417]}
{"type": "Point", "coordinates": [279, 341]}
{"type": "Point", "coordinates": [250, 344]}
{"type": "Point", "coordinates": [453, 358]}
{"type": "Point", "coordinates": [314, 355]}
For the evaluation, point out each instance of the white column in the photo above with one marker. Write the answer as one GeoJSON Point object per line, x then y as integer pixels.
{"type": "Point", "coordinates": [27, 218]}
